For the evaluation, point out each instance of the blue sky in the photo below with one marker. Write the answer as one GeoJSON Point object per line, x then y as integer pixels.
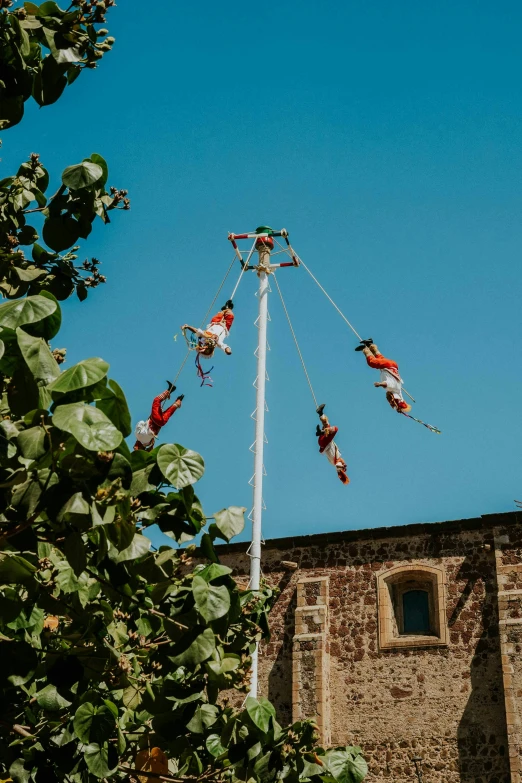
{"type": "Point", "coordinates": [387, 139]}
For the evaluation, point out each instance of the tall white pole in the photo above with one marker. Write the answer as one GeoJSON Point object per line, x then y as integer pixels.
{"type": "Point", "coordinates": [255, 549]}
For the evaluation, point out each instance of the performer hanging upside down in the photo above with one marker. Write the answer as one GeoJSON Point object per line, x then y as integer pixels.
{"type": "Point", "coordinates": [390, 377]}
{"type": "Point", "coordinates": [216, 332]}
{"type": "Point", "coordinates": [325, 437]}
{"type": "Point", "coordinates": [147, 431]}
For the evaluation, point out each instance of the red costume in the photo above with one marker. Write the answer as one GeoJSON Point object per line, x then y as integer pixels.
{"type": "Point", "coordinates": [227, 316]}
{"type": "Point", "coordinates": [390, 376]}
{"type": "Point", "coordinates": [146, 434]}
{"type": "Point", "coordinates": [330, 449]}
{"type": "Point", "coordinates": [158, 417]}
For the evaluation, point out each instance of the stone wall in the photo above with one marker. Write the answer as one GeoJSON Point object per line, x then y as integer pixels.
{"type": "Point", "coordinates": [508, 556]}
{"type": "Point", "coordinates": [446, 703]}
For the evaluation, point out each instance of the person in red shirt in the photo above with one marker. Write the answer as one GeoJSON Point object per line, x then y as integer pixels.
{"type": "Point", "coordinates": [390, 377]}
{"type": "Point", "coordinates": [216, 332]}
{"type": "Point", "coordinates": [147, 431]}
{"type": "Point", "coordinates": [325, 436]}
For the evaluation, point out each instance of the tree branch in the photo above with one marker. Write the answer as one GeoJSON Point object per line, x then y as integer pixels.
{"type": "Point", "coordinates": [19, 529]}
{"type": "Point", "coordinates": [165, 617]}
{"type": "Point", "coordinates": [18, 729]}
{"type": "Point", "coordinates": [154, 775]}
{"type": "Point", "coordinates": [169, 778]}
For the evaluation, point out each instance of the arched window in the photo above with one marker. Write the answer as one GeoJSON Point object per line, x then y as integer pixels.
{"type": "Point", "coordinates": [411, 606]}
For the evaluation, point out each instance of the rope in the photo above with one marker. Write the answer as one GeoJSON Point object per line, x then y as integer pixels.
{"type": "Point", "coordinates": [356, 333]}
{"type": "Point", "coordinates": [238, 282]}
{"type": "Point", "coordinates": [182, 366]}
{"type": "Point", "coordinates": [295, 340]}
{"type": "Point", "coordinates": [345, 319]}
{"type": "Point", "coordinates": [206, 315]}
{"type": "Point", "coordinates": [419, 421]}
{"type": "Point", "coordinates": [243, 269]}
{"type": "Point", "coordinates": [218, 292]}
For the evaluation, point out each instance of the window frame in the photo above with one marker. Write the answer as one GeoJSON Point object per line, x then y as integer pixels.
{"type": "Point", "coordinates": [391, 586]}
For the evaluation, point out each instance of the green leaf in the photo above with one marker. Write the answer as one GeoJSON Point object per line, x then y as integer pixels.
{"type": "Point", "coordinates": [180, 466]}
{"type": "Point", "coordinates": [211, 602]}
{"type": "Point", "coordinates": [230, 521]}
{"type": "Point", "coordinates": [33, 442]}
{"type": "Point", "coordinates": [38, 357]}
{"type": "Point", "coordinates": [82, 175]}
{"type": "Point", "coordinates": [93, 724]}
{"type": "Point", "coordinates": [76, 506]}
{"type": "Point", "coordinates": [346, 765]}
{"type": "Point", "coordinates": [18, 773]}
{"type": "Point", "coordinates": [132, 697]}
{"type": "Point", "coordinates": [50, 8]}
{"type": "Point", "coordinates": [101, 760]}
{"type": "Point", "coordinates": [194, 647]}
{"type": "Point", "coordinates": [44, 397]}
{"type": "Point", "coordinates": [218, 670]}
{"type": "Point", "coordinates": [213, 571]}
{"type": "Point", "coordinates": [262, 766]}
{"type": "Point", "coordinates": [114, 405]}
{"type": "Point", "coordinates": [207, 548]}
{"type": "Point", "coordinates": [121, 533]}
{"type": "Point", "coordinates": [138, 547]}
{"type": "Point", "coordinates": [15, 568]}
{"type": "Point", "coordinates": [140, 481]}
{"type": "Point", "coordinates": [85, 373]}
{"type": "Point", "coordinates": [112, 708]}
{"type": "Point", "coordinates": [50, 326]}
{"type": "Point", "coordinates": [30, 273]}
{"type": "Point", "coordinates": [74, 551]}
{"type": "Point", "coordinates": [121, 744]}
{"type": "Point", "coordinates": [50, 700]}
{"type": "Point", "coordinates": [103, 165]}
{"type": "Point", "coordinates": [61, 232]}
{"type": "Point", "coordinates": [89, 426]}
{"type": "Point", "coordinates": [204, 717]}
{"type": "Point", "coordinates": [214, 746]}
{"type": "Point", "coordinates": [67, 580]}
{"type": "Point", "coordinates": [49, 82]}
{"type": "Point", "coordinates": [25, 311]}
{"type": "Point", "coordinates": [260, 711]}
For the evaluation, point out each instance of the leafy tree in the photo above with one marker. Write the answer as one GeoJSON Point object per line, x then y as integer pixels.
{"type": "Point", "coordinates": [68, 216]}
{"type": "Point", "coordinates": [44, 48]}
{"type": "Point", "coordinates": [118, 661]}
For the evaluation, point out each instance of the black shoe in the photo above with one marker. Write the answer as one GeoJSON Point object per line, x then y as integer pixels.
{"type": "Point", "coordinates": [364, 344]}
{"type": "Point", "coordinates": [320, 408]}
{"type": "Point", "coordinates": [318, 431]}
{"type": "Point", "coordinates": [170, 387]}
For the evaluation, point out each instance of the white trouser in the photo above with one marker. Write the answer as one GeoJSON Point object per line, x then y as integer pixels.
{"type": "Point", "coordinates": [333, 455]}
{"type": "Point", "coordinates": [393, 385]}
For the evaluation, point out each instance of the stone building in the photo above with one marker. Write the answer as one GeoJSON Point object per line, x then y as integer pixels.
{"type": "Point", "coordinates": [404, 640]}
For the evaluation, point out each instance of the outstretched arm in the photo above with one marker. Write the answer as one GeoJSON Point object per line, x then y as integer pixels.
{"type": "Point", "coordinates": [224, 347]}
{"type": "Point", "coordinates": [193, 329]}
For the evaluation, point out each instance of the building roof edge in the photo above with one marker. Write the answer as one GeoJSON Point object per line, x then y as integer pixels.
{"type": "Point", "coordinates": [484, 522]}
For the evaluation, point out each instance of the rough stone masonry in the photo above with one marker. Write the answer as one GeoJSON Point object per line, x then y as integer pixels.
{"type": "Point", "coordinates": [342, 652]}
